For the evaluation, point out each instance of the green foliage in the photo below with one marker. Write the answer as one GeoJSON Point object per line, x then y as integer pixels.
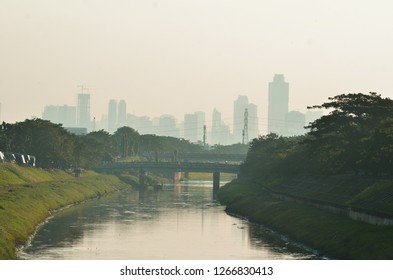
{"type": "Point", "coordinates": [331, 234]}
{"type": "Point", "coordinates": [355, 137]}
{"type": "Point", "coordinates": [272, 155]}
{"type": "Point", "coordinates": [27, 203]}
{"type": "Point", "coordinates": [126, 141]}
{"type": "Point", "coordinates": [347, 139]}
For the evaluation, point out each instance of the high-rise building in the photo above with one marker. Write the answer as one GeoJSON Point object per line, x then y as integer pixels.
{"type": "Point", "coordinates": [216, 127]}
{"type": "Point", "coordinates": [278, 104]}
{"type": "Point", "coordinates": [200, 124]}
{"type": "Point", "coordinates": [239, 107]}
{"type": "Point", "coordinates": [122, 113]}
{"type": "Point", "coordinates": [191, 127]}
{"type": "Point", "coordinates": [65, 115]}
{"type": "Point", "coordinates": [143, 125]}
{"type": "Point", "coordinates": [294, 123]}
{"type": "Point", "coordinates": [312, 115]}
{"type": "Point", "coordinates": [253, 131]}
{"type": "Point", "coordinates": [83, 111]}
{"type": "Point", "coordinates": [167, 126]}
{"type": "Point", "coordinates": [112, 116]}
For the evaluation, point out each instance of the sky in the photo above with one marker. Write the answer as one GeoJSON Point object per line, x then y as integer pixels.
{"type": "Point", "coordinates": [181, 56]}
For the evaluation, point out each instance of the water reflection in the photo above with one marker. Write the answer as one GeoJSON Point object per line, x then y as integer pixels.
{"type": "Point", "coordinates": [179, 222]}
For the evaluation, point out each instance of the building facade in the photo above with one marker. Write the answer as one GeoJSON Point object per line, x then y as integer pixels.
{"type": "Point", "coordinates": [83, 111]}
{"type": "Point", "coordinates": [278, 104]}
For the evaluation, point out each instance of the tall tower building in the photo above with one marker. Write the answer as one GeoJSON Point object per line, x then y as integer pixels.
{"type": "Point", "coordinates": [216, 127]}
{"type": "Point", "coordinates": [122, 114]}
{"type": "Point", "coordinates": [112, 116]}
{"type": "Point", "coordinates": [191, 127]}
{"type": "Point", "coordinates": [239, 106]}
{"type": "Point", "coordinates": [295, 122]}
{"type": "Point", "coordinates": [253, 131]}
{"type": "Point", "coordinates": [167, 126]}
{"type": "Point", "coordinates": [200, 116]}
{"type": "Point", "coordinates": [278, 104]}
{"type": "Point", "coordinates": [83, 110]}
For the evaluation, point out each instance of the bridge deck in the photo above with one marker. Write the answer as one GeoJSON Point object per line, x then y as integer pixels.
{"type": "Point", "coordinates": [172, 166]}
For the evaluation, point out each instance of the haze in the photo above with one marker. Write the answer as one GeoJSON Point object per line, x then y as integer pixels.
{"type": "Point", "coordinates": [177, 56]}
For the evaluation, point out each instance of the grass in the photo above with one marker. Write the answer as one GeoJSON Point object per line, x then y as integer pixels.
{"type": "Point", "coordinates": [333, 235]}
{"type": "Point", "coordinates": [28, 195]}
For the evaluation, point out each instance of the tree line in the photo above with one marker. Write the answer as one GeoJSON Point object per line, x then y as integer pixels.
{"type": "Point", "coordinates": [356, 136]}
{"type": "Point", "coordinates": [55, 147]}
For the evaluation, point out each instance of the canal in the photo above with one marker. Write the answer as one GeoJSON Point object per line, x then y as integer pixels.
{"type": "Point", "coordinates": [182, 221]}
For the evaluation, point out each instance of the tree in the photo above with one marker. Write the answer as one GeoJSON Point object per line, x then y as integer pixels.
{"type": "Point", "coordinates": [339, 139]}
{"type": "Point", "coordinates": [126, 139]}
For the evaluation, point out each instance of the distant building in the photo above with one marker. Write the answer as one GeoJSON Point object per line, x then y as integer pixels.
{"type": "Point", "coordinates": [167, 126]}
{"type": "Point", "coordinates": [122, 113]}
{"type": "Point", "coordinates": [191, 127]}
{"type": "Point", "coordinates": [143, 125]}
{"type": "Point", "coordinates": [201, 121]}
{"type": "Point", "coordinates": [294, 123]}
{"type": "Point", "coordinates": [253, 130]}
{"type": "Point", "coordinates": [241, 118]}
{"type": "Point", "coordinates": [51, 113]}
{"type": "Point", "coordinates": [83, 111]}
{"type": "Point", "coordinates": [112, 116]}
{"type": "Point", "coordinates": [312, 115]}
{"type": "Point", "coordinates": [216, 127]}
{"type": "Point", "coordinates": [278, 104]}
{"type": "Point", "coordinates": [65, 115]}
{"type": "Point", "coordinates": [239, 106]}
{"type": "Point", "coordinates": [220, 133]}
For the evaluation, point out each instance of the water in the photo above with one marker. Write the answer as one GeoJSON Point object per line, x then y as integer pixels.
{"type": "Point", "coordinates": [179, 222]}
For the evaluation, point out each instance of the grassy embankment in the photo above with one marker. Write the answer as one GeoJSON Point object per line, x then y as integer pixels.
{"type": "Point", "coordinates": [331, 234]}
{"type": "Point", "coordinates": [28, 195]}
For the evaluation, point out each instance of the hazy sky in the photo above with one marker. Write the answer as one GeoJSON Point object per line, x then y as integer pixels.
{"type": "Point", "coordinates": [178, 56]}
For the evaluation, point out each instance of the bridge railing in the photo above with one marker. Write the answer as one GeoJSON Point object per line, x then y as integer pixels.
{"type": "Point", "coordinates": [175, 166]}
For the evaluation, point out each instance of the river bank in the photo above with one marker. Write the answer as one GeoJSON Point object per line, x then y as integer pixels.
{"type": "Point", "coordinates": [28, 196]}
{"type": "Point", "coordinates": [332, 234]}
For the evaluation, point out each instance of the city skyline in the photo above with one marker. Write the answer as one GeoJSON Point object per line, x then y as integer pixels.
{"type": "Point", "coordinates": [195, 126]}
{"type": "Point", "coordinates": [174, 57]}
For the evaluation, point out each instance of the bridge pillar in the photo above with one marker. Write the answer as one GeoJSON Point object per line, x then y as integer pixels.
{"type": "Point", "coordinates": [216, 181]}
{"type": "Point", "coordinates": [177, 177]}
{"type": "Point", "coordinates": [142, 177]}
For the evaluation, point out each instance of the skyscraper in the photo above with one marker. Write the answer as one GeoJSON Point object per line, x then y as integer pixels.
{"type": "Point", "coordinates": [191, 127]}
{"type": "Point", "coordinates": [295, 122]}
{"type": "Point", "coordinates": [278, 104]}
{"type": "Point", "coordinates": [83, 110]}
{"type": "Point", "coordinates": [253, 130]}
{"type": "Point", "coordinates": [239, 106]}
{"type": "Point", "coordinates": [216, 127]}
{"type": "Point", "coordinates": [167, 126]}
{"type": "Point", "coordinates": [122, 113]}
{"type": "Point", "coordinates": [112, 116]}
{"type": "Point", "coordinates": [200, 116]}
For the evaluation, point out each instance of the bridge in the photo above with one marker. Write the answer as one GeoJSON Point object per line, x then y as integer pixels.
{"type": "Point", "coordinates": [215, 167]}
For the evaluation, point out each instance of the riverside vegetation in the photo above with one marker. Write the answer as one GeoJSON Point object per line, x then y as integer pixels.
{"type": "Point", "coordinates": [28, 196]}
{"type": "Point", "coordinates": [344, 162]}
